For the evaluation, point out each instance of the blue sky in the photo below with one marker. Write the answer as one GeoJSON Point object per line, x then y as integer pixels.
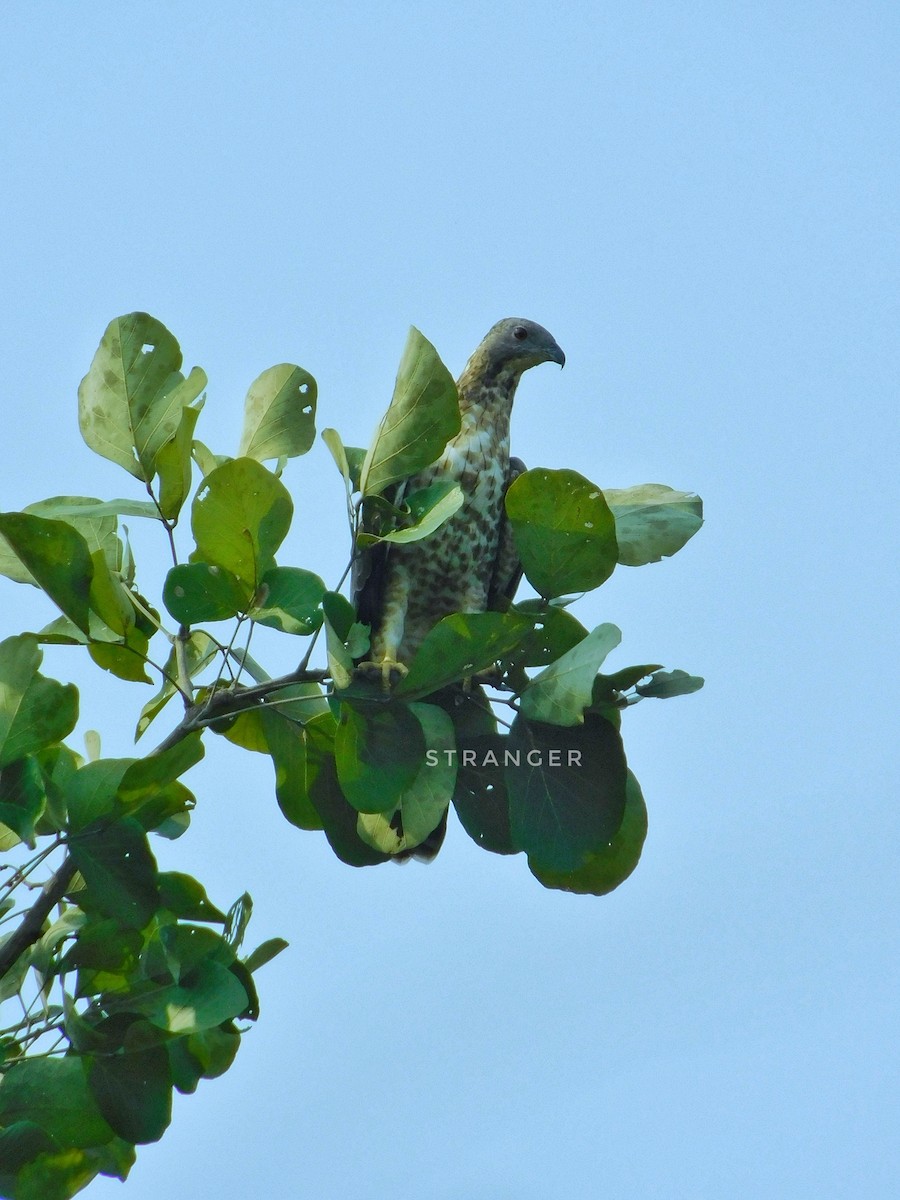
{"type": "Point", "coordinates": [700, 202]}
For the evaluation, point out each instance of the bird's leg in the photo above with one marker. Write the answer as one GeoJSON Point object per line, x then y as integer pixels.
{"type": "Point", "coordinates": [388, 635]}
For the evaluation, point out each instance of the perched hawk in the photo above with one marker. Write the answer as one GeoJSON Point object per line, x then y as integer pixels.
{"type": "Point", "coordinates": [469, 563]}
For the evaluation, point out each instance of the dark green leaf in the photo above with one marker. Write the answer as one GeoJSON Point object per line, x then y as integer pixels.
{"type": "Point", "coordinates": [92, 791]}
{"type": "Point", "coordinates": [564, 531]}
{"type": "Point", "coordinates": [130, 401]}
{"type": "Point", "coordinates": [279, 414]}
{"type": "Point", "coordinates": [23, 795]}
{"type": "Point", "coordinates": [34, 711]}
{"type": "Point", "coordinates": [146, 776]}
{"type": "Point", "coordinates": [296, 756]}
{"type": "Point", "coordinates": [265, 953]}
{"type": "Point", "coordinates": [200, 591]}
{"type": "Point", "coordinates": [187, 898]}
{"type": "Point", "coordinates": [119, 871]}
{"type": "Point", "coordinates": [379, 750]}
{"type": "Point", "coordinates": [567, 792]}
{"type": "Point", "coordinates": [239, 518]}
{"type": "Point", "coordinates": [289, 599]}
{"type": "Point", "coordinates": [603, 870]}
{"type": "Point", "coordinates": [664, 684]}
{"type": "Point", "coordinates": [53, 1093]}
{"type": "Point", "coordinates": [459, 646]}
{"type": "Point", "coordinates": [422, 805]}
{"type": "Point", "coordinates": [134, 1092]}
{"type": "Point", "coordinates": [202, 1055]}
{"type": "Point", "coordinates": [58, 558]}
{"type": "Point", "coordinates": [652, 521]}
{"type": "Point", "coordinates": [422, 417]}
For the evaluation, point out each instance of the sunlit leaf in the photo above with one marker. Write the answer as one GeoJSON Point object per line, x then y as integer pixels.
{"type": "Point", "coordinates": [652, 521]}
{"type": "Point", "coordinates": [563, 690]}
{"type": "Point", "coordinates": [564, 531]}
{"type": "Point", "coordinates": [279, 414]}
{"type": "Point", "coordinates": [130, 401]}
{"type": "Point", "coordinates": [239, 518]}
{"type": "Point", "coordinates": [422, 417]}
{"type": "Point", "coordinates": [289, 599]}
{"type": "Point", "coordinates": [174, 464]}
{"type": "Point", "coordinates": [202, 591]}
{"type": "Point", "coordinates": [428, 508]}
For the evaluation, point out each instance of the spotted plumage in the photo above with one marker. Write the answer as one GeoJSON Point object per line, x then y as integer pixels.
{"type": "Point", "coordinates": [468, 564]}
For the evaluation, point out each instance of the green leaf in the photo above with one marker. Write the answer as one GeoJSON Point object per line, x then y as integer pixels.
{"type": "Point", "coordinates": [422, 417]}
{"type": "Point", "coordinates": [289, 599]}
{"type": "Point", "coordinates": [147, 776]}
{"type": "Point", "coordinates": [119, 871]}
{"type": "Point", "coordinates": [34, 711]}
{"type": "Point", "coordinates": [603, 870]}
{"type": "Point", "coordinates": [664, 684]}
{"type": "Point", "coordinates": [134, 1092]}
{"type": "Point", "coordinates": [563, 690]}
{"type": "Point", "coordinates": [428, 508]}
{"type": "Point", "coordinates": [564, 531]}
{"type": "Point", "coordinates": [201, 591]}
{"type": "Point", "coordinates": [203, 1055]}
{"type": "Point", "coordinates": [652, 521]}
{"type": "Point", "coordinates": [187, 898]}
{"type": "Point", "coordinates": [459, 646]}
{"type": "Point", "coordinates": [87, 514]}
{"type": "Point", "coordinates": [53, 1093]}
{"type": "Point", "coordinates": [92, 792]}
{"type": "Point", "coordinates": [566, 792]}
{"type": "Point", "coordinates": [348, 459]}
{"type": "Point", "coordinates": [265, 953]}
{"type": "Point", "coordinates": [205, 997]}
{"type": "Point", "coordinates": [239, 518]}
{"type": "Point", "coordinates": [422, 805]}
{"type": "Point", "coordinates": [131, 400]}
{"type": "Point", "coordinates": [379, 750]}
{"type": "Point", "coordinates": [125, 661]}
{"type": "Point", "coordinates": [58, 558]}
{"type": "Point", "coordinates": [174, 464]}
{"type": "Point", "coordinates": [339, 621]}
{"type": "Point", "coordinates": [23, 795]}
{"type": "Point", "coordinates": [296, 752]}
{"type": "Point", "coordinates": [279, 414]}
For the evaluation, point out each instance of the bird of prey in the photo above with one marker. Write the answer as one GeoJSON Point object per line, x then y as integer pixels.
{"type": "Point", "coordinates": [469, 564]}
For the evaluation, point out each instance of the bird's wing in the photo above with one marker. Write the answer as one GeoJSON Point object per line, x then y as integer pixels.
{"type": "Point", "coordinates": [507, 572]}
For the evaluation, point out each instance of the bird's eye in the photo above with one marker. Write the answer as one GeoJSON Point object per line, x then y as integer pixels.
{"type": "Point", "coordinates": [520, 333]}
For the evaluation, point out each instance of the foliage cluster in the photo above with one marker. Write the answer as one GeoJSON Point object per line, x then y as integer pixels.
{"type": "Point", "coordinates": [127, 980]}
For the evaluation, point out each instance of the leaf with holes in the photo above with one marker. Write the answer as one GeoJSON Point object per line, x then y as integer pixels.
{"type": "Point", "coordinates": [279, 414]}
{"type": "Point", "coordinates": [130, 401]}
{"type": "Point", "coordinates": [564, 531]}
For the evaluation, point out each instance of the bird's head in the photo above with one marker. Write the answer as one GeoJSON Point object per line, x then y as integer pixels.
{"type": "Point", "coordinates": [515, 344]}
